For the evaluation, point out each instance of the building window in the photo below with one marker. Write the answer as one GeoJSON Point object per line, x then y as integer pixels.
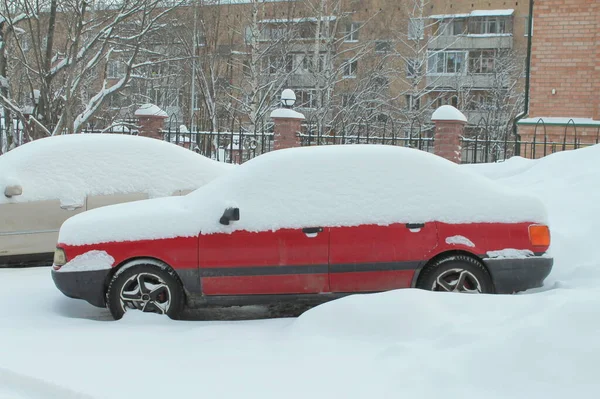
{"type": "Point", "coordinates": [527, 26]}
{"type": "Point", "coordinates": [116, 69]}
{"type": "Point", "coordinates": [306, 98]}
{"type": "Point", "coordinates": [481, 102]}
{"type": "Point", "coordinates": [351, 34]}
{"type": "Point", "coordinates": [350, 68]}
{"type": "Point", "coordinates": [383, 46]}
{"type": "Point", "coordinates": [416, 28]}
{"type": "Point", "coordinates": [482, 61]}
{"type": "Point", "coordinates": [412, 102]}
{"type": "Point", "coordinates": [451, 27]}
{"type": "Point", "coordinates": [453, 100]}
{"type": "Point", "coordinates": [489, 25]}
{"type": "Point", "coordinates": [307, 63]}
{"type": "Point", "coordinates": [278, 64]}
{"type": "Point", "coordinates": [446, 62]}
{"type": "Point", "coordinates": [272, 33]}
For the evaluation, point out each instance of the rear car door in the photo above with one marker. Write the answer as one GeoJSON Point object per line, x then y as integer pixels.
{"type": "Point", "coordinates": [372, 258]}
{"type": "Point", "coordinates": [285, 261]}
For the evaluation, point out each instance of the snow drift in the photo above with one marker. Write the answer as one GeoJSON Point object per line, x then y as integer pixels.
{"type": "Point", "coordinates": [568, 184]}
{"type": "Point", "coordinates": [405, 343]}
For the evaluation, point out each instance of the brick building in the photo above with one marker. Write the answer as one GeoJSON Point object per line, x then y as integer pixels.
{"type": "Point", "coordinates": [410, 60]}
{"type": "Point", "coordinates": [565, 76]}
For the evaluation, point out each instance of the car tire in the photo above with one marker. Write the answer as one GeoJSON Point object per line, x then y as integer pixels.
{"type": "Point", "coordinates": [161, 291]}
{"type": "Point", "coordinates": [456, 273]}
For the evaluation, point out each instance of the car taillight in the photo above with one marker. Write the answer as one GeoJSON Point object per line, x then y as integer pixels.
{"type": "Point", "coordinates": [539, 235]}
{"type": "Point", "coordinates": [60, 258]}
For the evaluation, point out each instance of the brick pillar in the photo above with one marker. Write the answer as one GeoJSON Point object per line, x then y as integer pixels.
{"type": "Point", "coordinates": [287, 125]}
{"type": "Point", "coordinates": [449, 127]}
{"type": "Point", "coordinates": [151, 121]}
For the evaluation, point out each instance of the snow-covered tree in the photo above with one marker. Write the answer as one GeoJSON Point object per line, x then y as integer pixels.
{"type": "Point", "coordinates": [61, 50]}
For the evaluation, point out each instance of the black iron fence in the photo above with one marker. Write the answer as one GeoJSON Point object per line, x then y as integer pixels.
{"type": "Point", "coordinates": [243, 143]}
{"type": "Point", "coordinates": [226, 146]}
{"type": "Point", "coordinates": [477, 145]}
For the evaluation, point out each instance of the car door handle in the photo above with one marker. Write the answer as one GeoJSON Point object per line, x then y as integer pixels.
{"type": "Point", "coordinates": [312, 230]}
{"type": "Point", "coordinates": [70, 207]}
{"type": "Point", "coordinates": [415, 225]}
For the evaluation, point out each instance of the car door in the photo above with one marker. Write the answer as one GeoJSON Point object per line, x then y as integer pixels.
{"type": "Point", "coordinates": [29, 230]}
{"type": "Point", "coordinates": [372, 258]}
{"type": "Point", "coordinates": [285, 261]}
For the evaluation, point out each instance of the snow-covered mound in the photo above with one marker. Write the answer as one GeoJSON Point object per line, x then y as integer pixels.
{"type": "Point", "coordinates": [404, 343]}
{"type": "Point", "coordinates": [69, 167]}
{"type": "Point", "coordinates": [569, 185]}
{"type": "Point", "coordinates": [343, 185]}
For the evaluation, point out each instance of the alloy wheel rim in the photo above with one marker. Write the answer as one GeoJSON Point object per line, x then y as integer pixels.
{"type": "Point", "coordinates": [457, 280]}
{"type": "Point", "coordinates": [146, 292]}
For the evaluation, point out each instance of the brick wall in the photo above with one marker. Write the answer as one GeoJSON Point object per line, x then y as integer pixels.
{"type": "Point", "coordinates": [566, 58]}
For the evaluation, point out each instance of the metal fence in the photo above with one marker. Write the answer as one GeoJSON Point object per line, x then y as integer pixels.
{"type": "Point", "coordinates": [226, 146]}
{"type": "Point", "coordinates": [369, 133]}
{"type": "Point", "coordinates": [243, 143]}
{"type": "Point", "coordinates": [477, 145]}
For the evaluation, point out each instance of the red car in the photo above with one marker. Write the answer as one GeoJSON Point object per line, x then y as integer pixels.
{"type": "Point", "coordinates": [308, 224]}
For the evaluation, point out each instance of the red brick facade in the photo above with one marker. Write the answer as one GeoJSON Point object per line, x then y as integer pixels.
{"type": "Point", "coordinates": [565, 69]}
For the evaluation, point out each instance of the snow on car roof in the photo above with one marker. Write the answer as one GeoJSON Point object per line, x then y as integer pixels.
{"type": "Point", "coordinates": [337, 185]}
{"type": "Point", "coordinates": [69, 167]}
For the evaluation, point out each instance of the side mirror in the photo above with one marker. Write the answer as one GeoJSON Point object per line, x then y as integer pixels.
{"type": "Point", "coordinates": [230, 214]}
{"type": "Point", "coordinates": [12, 191]}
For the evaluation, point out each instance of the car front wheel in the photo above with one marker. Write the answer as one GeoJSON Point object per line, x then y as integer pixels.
{"type": "Point", "coordinates": [145, 287]}
{"type": "Point", "coordinates": [456, 273]}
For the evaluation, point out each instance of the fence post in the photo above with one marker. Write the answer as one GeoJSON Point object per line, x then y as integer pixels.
{"type": "Point", "coordinates": [449, 128]}
{"type": "Point", "coordinates": [287, 122]}
{"type": "Point", "coordinates": [151, 120]}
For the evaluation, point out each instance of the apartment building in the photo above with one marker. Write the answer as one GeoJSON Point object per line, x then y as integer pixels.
{"type": "Point", "coordinates": [349, 61]}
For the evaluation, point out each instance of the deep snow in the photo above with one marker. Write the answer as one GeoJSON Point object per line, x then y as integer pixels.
{"type": "Point", "coordinates": [406, 343]}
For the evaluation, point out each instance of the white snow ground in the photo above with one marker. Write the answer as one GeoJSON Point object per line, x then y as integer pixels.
{"type": "Point", "coordinates": [406, 343]}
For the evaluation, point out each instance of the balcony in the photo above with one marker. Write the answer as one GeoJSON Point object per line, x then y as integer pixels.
{"type": "Point", "coordinates": [456, 81]}
{"type": "Point", "coordinates": [503, 41]}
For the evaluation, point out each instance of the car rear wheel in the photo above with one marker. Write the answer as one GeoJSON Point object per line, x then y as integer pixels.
{"type": "Point", "coordinates": [457, 273]}
{"type": "Point", "coordinates": [148, 288]}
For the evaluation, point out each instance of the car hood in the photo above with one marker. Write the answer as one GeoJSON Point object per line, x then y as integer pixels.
{"type": "Point", "coordinates": [138, 220]}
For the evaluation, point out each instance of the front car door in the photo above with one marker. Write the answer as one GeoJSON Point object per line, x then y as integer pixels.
{"type": "Point", "coordinates": [285, 261]}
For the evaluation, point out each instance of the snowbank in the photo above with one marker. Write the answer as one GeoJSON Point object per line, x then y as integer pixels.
{"type": "Point", "coordinates": [70, 167]}
{"type": "Point", "coordinates": [567, 183]}
{"type": "Point", "coordinates": [404, 343]}
{"type": "Point", "coordinates": [344, 185]}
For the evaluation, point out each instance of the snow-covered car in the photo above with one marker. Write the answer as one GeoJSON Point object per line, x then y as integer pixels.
{"type": "Point", "coordinates": [308, 224]}
{"type": "Point", "coordinates": [46, 181]}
